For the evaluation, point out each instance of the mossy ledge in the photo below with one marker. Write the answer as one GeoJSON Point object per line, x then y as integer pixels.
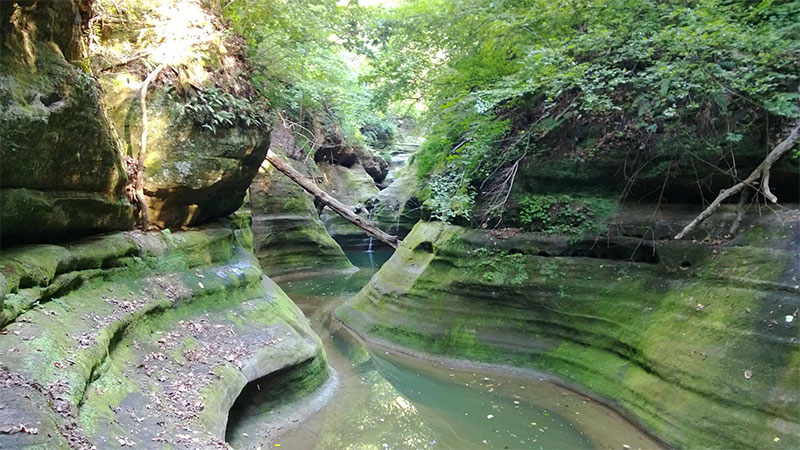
{"type": "Point", "coordinates": [142, 338]}
{"type": "Point", "coordinates": [690, 339]}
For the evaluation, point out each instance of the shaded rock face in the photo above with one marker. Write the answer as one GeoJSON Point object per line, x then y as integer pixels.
{"type": "Point", "coordinates": [397, 208]}
{"type": "Point", "coordinates": [142, 339]}
{"type": "Point", "coordinates": [697, 341]}
{"type": "Point", "coordinates": [62, 173]}
{"type": "Point", "coordinates": [695, 176]}
{"type": "Point", "coordinates": [290, 236]}
{"type": "Point", "coordinates": [341, 154]}
{"type": "Point", "coordinates": [376, 167]}
{"type": "Point", "coordinates": [351, 186]}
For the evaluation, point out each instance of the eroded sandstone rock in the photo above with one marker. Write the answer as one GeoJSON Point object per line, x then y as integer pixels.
{"type": "Point", "coordinates": [691, 338]}
{"type": "Point", "coordinates": [142, 339]}
{"type": "Point", "coordinates": [62, 173]}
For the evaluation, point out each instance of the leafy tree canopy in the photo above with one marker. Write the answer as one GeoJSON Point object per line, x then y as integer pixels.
{"type": "Point", "coordinates": [307, 54]}
{"type": "Point", "coordinates": [667, 80]}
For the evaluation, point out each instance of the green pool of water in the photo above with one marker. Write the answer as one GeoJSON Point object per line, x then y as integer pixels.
{"type": "Point", "coordinates": [385, 400]}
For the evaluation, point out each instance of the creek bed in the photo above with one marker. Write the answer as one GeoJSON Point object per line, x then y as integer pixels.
{"type": "Point", "coordinates": [386, 400]}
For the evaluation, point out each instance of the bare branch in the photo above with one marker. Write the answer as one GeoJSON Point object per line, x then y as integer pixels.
{"type": "Point", "coordinates": [143, 148]}
{"type": "Point", "coordinates": [760, 173]}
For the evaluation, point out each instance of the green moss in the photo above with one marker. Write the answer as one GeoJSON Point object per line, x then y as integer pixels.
{"type": "Point", "coordinates": [62, 171]}
{"type": "Point", "coordinates": [565, 214]}
{"type": "Point", "coordinates": [458, 340]}
{"type": "Point", "coordinates": [670, 346]}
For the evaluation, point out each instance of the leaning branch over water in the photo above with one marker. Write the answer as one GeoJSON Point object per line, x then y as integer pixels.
{"type": "Point", "coordinates": [340, 208]}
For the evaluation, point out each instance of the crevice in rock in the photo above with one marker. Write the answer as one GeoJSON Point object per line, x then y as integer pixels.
{"type": "Point", "coordinates": [643, 252]}
{"type": "Point", "coordinates": [100, 365]}
{"type": "Point", "coordinates": [260, 397]}
{"type": "Point", "coordinates": [425, 246]}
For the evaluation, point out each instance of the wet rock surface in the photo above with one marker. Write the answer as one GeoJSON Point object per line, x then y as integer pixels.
{"type": "Point", "coordinates": [698, 341]}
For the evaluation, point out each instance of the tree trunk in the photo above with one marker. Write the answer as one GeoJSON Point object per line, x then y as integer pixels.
{"type": "Point", "coordinates": [340, 208]}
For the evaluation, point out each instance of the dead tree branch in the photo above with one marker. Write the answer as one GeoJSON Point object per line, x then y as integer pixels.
{"type": "Point", "coordinates": [139, 185]}
{"type": "Point", "coordinates": [340, 208]}
{"type": "Point", "coordinates": [500, 191]}
{"type": "Point", "coordinates": [760, 173]}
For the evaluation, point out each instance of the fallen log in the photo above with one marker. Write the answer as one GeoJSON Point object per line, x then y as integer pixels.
{"type": "Point", "coordinates": [369, 227]}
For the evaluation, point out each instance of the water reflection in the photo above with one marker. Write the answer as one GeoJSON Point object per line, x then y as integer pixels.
{"type": "Point", "coordinates": [386, 400]}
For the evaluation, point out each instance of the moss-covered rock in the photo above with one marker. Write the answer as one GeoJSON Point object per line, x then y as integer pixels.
{"type": "Point", "coordinates": [396, 208]}
{"type": "Point", "coordinates": [698, 341]}
{"type": "Point", "coordinates": [62, 173]}
{"type": "Point", "coordinates": [290, 236]}
{"type": "Point", "coordinates": [197, 166]}
{"type": "Point", "coordinates": [141, 339]}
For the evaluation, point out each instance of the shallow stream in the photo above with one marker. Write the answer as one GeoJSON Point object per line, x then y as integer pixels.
{"type": "Point", "coordinates": [379, 399]}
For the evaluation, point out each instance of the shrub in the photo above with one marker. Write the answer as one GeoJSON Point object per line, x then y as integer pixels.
{"type": "Point", "coordinates": [564, 214]}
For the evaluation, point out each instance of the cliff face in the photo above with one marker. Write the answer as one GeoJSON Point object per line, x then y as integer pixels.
{"type": "Point", "coordinates": [71, 117]}
{"type": "Point", "coordinates": [698, 341]}
{"type": "Point", "coordinates": [62, 172]}
{"type": "Point", "coordinates": [131, 338]}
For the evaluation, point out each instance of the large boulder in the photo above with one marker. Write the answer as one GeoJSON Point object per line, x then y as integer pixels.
{"type": "Point", "coordinates": [62, 173]}
{"type": "Point", "coordinates": [376, 167]}
{"type": "Point", "coordinates": [191, 174]}
{"type": "Point", "coordinates": [207, 132]}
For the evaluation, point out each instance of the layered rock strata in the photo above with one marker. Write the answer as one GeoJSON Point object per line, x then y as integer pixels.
{"type": "Point", "coordinates": [698, 341]}
{"type": "Point", "coordinates": [142, 339]}
{"type": "Point", "coordinates": [290, 237]}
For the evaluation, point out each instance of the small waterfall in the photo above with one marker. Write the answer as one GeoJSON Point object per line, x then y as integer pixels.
{"type": "Point", "coordinates": [369, 246]}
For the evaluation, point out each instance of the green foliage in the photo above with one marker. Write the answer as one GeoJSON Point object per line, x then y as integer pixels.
{"type": "Point", "coordinates": [498, 266]}
{"type": "Point", "coordinates": [303, 53]}
{"type": "Point", "coordinates": [687, 82]}
{"type": "Point", "coordinates": [563, 214]}
{"type": "Point", "coordinates": [379, 132]}
{"type": "Point", "coordinates": [215, 109]}
{"type": "Point", "coordinates": [449, 198]}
